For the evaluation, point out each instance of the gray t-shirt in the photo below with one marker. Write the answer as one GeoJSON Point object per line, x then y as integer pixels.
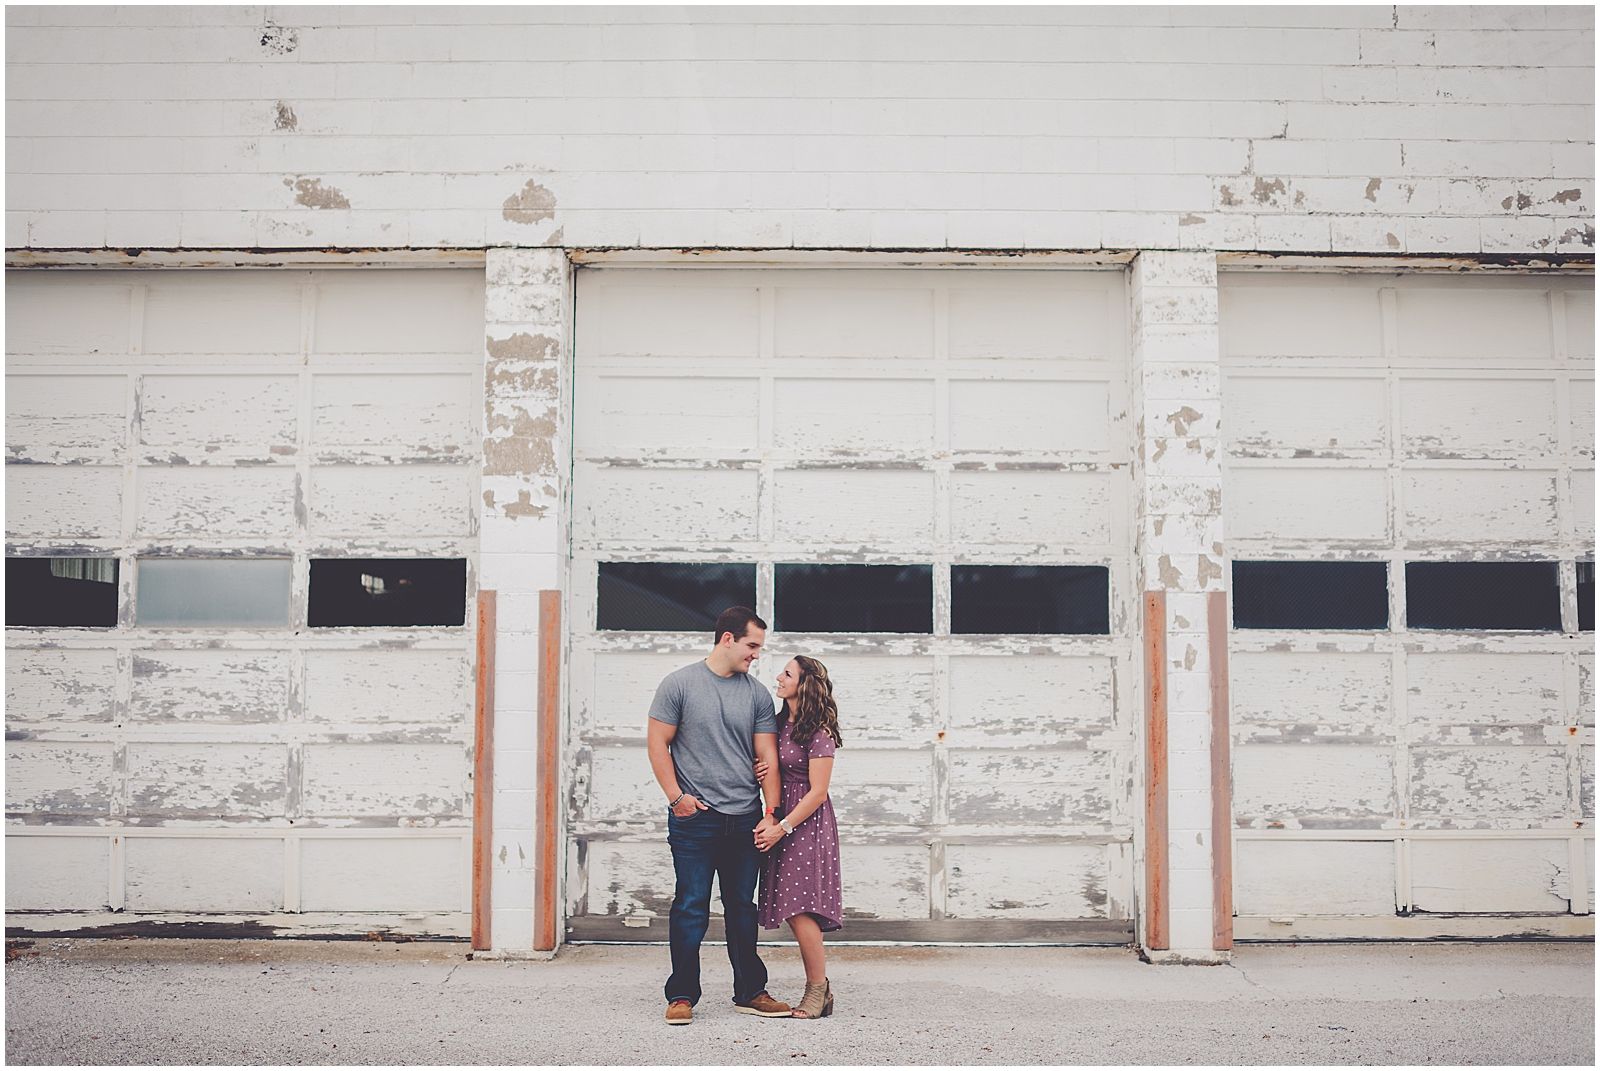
{"type": "Point", "coordinates": [717, 719]}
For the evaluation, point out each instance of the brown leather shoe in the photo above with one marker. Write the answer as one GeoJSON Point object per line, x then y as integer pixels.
{"type": "Point", "coordinates": [763, 1005]}
{"type": "Point", "coordinates": [680, 1013]}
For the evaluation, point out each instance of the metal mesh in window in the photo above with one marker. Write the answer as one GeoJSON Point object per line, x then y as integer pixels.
{"type": "Point", "coordinates": [1524, 596]}
{"type": "Point", "coordinates": [1311, 595]}
{"type": "Point", "coordinates": [1030, 599]}
{"type": "Point", "coordinates": [387, 592]}
{"type": "Point", "coordinates": [670, 596]}
{"type": "Point", "coordinates": [853, 598]}
{"type": "Point", "coordinates": [61, 592]}
{"type": "Point", "coordinates": [1586, 596]}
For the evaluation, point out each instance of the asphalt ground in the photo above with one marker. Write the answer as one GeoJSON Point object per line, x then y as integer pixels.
{"type": "Point", "coordinates": [165, 1001]}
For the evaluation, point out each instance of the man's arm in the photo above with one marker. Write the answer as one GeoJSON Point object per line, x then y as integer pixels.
{"type": "Point", "coordinates": [661, 735]}
{"type": "Point", "coordinates": [771, 783]}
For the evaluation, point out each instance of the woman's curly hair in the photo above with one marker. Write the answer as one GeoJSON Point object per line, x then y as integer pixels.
{"type": "Point", "coordinates": [814, 707]}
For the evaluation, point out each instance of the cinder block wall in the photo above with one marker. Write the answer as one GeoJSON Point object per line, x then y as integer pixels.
{"type": "Point", "coordinates": [1361, 129]}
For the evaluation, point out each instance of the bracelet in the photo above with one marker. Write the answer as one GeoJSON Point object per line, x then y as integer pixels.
{"type": "Point", "coordinates": [674, 803]}
{"type": "Point", "coordinates": [783, 823]}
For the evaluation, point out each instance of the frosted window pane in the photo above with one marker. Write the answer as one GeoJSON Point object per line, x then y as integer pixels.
{"type": "Point", "coordinates": [213, 592]}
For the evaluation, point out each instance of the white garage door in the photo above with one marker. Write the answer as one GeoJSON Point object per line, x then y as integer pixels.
{"type": "Point", "coordinates": [765, 435]}
{"type": "Point", "coordinates": [208, 474]}
{"type": "Point", "coordinates": [1436, 754]}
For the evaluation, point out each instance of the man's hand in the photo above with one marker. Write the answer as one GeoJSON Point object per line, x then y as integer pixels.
{"type": "Point", "coordinates": [687, 806]}
{"type": "Point", "coordinates": [768, 832]}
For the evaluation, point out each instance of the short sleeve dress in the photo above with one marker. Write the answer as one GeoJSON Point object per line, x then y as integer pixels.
{"type": "Point", "coordinates": [802, 870]}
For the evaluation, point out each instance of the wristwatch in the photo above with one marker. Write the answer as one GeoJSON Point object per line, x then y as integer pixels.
{"type": "Point", "coordinates": [783, 823]}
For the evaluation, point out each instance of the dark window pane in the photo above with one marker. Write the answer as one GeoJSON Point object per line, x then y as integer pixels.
{"type": "Point", "coordinates": [1030, 599]}
{"type": "Point", "coordinates": [387, 592]}
{"type": "Point", "coordinates": [670, 596]}
{"type": "Point", "coordinates": [1586, 596]}
{"type": "Point", "coordinates": [1490, 595]}
{"type": "Point", "coordinates": [61, 592]}
{"type": "Point", "coordinates": [1320, 595]}
{"type": "Point", "coordinates": [853, 598]}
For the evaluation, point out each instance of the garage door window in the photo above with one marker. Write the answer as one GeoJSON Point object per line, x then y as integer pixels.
{"type": "Point", "coordinates": [387, 592]}
{"type": "Point", "coordinates": [1521, 596]}
{"type": "Point", "coordinates": [1311, 595]}
{"type": "Point", "coordinates": [1030, 599]}
{"type": "Point", "coordinates": [213, 593]}
{"type": "Point", "coordinates": [670, 596]}
{"type": "Point", "coordinates": [1586, 596]}
{"type": "Point", "coordinates": [61, 592]}
{"type": "Point", "coordinates": [853, 598]}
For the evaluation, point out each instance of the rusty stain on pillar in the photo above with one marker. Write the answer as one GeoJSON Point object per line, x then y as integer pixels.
{"type": "Point", "coordinates": [483, 776]}
{"type": "Point", "coordinates": [1155, 771]}
{"type": "Point", "coordinates": [546, 844]}
{"type": "Point", "coordinates": [1221, 774]}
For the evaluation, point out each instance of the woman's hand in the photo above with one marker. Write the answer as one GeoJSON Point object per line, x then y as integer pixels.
{"type": "Point", "coordinates": [761, 769]}
{"type": "Point", "coordinates": [768, 834]}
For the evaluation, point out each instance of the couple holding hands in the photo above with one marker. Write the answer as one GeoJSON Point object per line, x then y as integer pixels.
{"type": "Point", "coordinates": [748, 790]}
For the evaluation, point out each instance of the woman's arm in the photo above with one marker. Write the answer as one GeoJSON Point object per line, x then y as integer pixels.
{"type": "Point", "coordinates": [818, 772]}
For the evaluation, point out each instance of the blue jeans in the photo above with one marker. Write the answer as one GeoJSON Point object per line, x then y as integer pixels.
{"type": "Point", "coordinates": [707, 843]}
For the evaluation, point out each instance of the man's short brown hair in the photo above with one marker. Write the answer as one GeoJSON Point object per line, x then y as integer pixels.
{"type": "Point", "coordinates": [737, 620]}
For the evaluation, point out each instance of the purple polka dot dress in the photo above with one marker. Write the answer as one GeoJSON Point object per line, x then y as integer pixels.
{"type": "Point", "coordinates": [802, 871]}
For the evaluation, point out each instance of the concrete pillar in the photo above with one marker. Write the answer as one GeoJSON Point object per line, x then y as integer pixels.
{"type": "Point", "coordinates": [526, 375]}
{"type": "Point", "coordinates": [1176, 392]}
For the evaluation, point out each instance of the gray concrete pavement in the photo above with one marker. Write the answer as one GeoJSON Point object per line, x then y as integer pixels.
{"type": "Point", "coordinates": [288, 1002]}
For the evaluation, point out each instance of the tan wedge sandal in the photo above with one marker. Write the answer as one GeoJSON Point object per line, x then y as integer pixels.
{"type": "Point", "coordinates": [817, 1003]}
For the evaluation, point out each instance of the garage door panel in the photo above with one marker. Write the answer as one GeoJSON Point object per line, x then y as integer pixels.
{"type": "Point", "coordinates": [1486, 781]}
{"type": "Point", "coordinates": [58, 873]}
{"type": "Point", "coordinates": [1326, 415]}
{"type": "Point", "coordinates": [63, 685]}
{"type": "Point", "coordinates": [847, 506]}
{"type": "Point", "coordinates": [1018, 322]}
{"type": "Point", "coordinates": [242, 687]}
{"type": "Point", "coordinates": [1477, 417]}
{"type": "Point", "coordinates": [1583, 505]}
{"type": "Point", "coordinates": [82, 316]}
{"type": "Point", "coordinates": [876, 786]}
{"type": "Point", "coordinates": [1031, 507]}
{"type": "Point", "coordinates": [862, 322]}
{"type": "Point", "coordinates": [194, 780]}
{"type": "Point", "coordinates": [1319, 504]}
{"type": "Point", "coordinates": [1460, 505]}
{"type": "Point", "coordinates": [195, 874]}
{"type": "Point", "coordinates": [393, 410]}
{"type": "Point", "coordinates": [1030, 416]}
{"type": "Point", "coordinates": [391, 312]}
{"type": "Point", "coordinates": [666, 505]}
{"type": "Point", "coordinates": [223, 312]}
{"type": "Point", "coordinates": [68, 779]}
{"type": "Point", "coordinates": [1474, 688]}
{"type": "Point", "coordinates": [1580, 322]}
{"type": "Point", "coordinates": [1012, 881]}
{"type": "Point", "coordinates": [632, 877]}
{"type": "Point", "coordinates": [382, 874]}
{"type": "Point", "coordinates": [63, 502]}
{"type": "Point", "coordinates": [1037, 787]}
{"type": "Point", "coordinates": [1485, 322]}
{"type": "Point", "coordinates": [390, 501]}
{"type": "Point", "coordinates": [233, 410]}
{"type": "Point", "coordinates": [385, 779]}
{"type": "Point", "coordinates": [662, 414]}
{"type": "Point", "coordinates": [1277, 782]}
{"type": "Point", "coordinates": [622, 786]}
{"type": "Point", "coordinates": [1272, 321]}
{"type": "Point", "coordinates": [844, 416]}
{"type": "Point", "coordinates": [1580, 395]}
{"type": "Point", "coordinates": [1028, 699]}
{"type": "Point", "coordinates": [1302, 878]}
{"type": "Point", "coordinates": [1321, 688]}
{"type": "Point", "coordinates": [407, 686]}
{"type": "Point", "coordinates": [66, 419]}
{"type": "Point", "coordinates": [884, 881]}
{"type": "Point", "coordinates": [208, 502]}
{"type": "Point", "coordinates": [678, 321]}
{"type": "Point", "coordinates": [1473, 875]}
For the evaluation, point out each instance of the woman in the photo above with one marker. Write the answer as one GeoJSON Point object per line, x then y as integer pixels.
{"type": "Point", "coordinates": [801, 880]}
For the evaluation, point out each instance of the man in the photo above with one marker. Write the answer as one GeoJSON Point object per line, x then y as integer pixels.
{"type": "Point", "coordinates": [709, 723]}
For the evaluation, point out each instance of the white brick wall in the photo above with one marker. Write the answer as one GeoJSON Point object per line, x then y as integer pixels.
{"type": "Point", "coordinates": [1346, 129]}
